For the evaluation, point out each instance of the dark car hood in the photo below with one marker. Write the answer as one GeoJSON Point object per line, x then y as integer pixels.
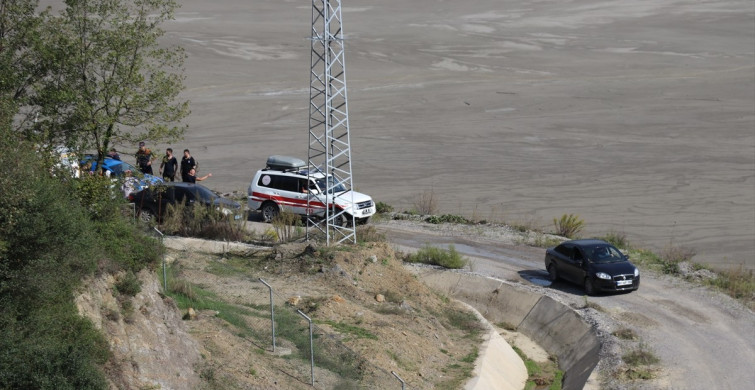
{"type": "Point", "coordinates": [621, 267]}
{"type": "Point", "coordinates": [226, 203]}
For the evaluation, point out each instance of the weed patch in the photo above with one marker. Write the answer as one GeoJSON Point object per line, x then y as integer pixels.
{"type": "Point", "coordinates": [625, 334]}
{"type": "Point", "coordinates": [446, 218]}
{"type": "Point", "coordinates": [640, 356]}
{"type": "Point", "coordinates": [368, 233]}
{"type": "Point", "coordinates": [541, 374]}
{"type": "Point", "coordinates": [436, 256]}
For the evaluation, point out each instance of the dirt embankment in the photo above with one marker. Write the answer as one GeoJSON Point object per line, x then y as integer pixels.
{"type": "Point", "coordinates": [150, 344]}
{"type": "Point", "coordinates": [371, 318]}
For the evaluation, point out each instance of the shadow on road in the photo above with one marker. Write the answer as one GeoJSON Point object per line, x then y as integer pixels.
{"type": "Point", "coordinates": [540, 277]}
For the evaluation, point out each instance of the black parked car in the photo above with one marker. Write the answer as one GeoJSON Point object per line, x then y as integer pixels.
{"type": "Point", "coordinates": [154, 200]}
{"type": "Point", "coordinates": [595, 264]}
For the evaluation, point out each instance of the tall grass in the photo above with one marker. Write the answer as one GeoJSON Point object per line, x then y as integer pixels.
{"type": "Point", "coordinates": [288, 226]}
{"type": "Point", "coordinates": [738, 283]}
{"type": "Point", "coordinates": [448, 258]}
{"type": "Point", "coordinates": [202, 222]}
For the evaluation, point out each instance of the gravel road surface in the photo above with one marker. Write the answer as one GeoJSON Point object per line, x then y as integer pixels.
{"type": "Point", "coordinates": [705, 340]}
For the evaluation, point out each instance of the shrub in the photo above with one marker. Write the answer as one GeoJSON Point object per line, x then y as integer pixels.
{"type": "Point", "coordinates": [367, 233]}
{"type": "Point", "coordinates": [125, 244]}
{"type": "Point", "coordinates": [449, 258]}
{"type": "Point", "coordinates": [640, 356]}
{"type": "Point", "coordinates": [672, 255]}
{"type": "Point", "coordinates": [569, 225]}
{"type": "Point", "coordinates": [202, 222]}
{"type": "Point", "coordinates": [446, 218]}
{"type": "Point", "coordinates": [128, 284]}
{"type": "Point", "coordinates": [616, 239]}
{"type": "Point", "coordinates": [51, 347]}
{"type": "Point", "coordinates": [383, 208]}
{"type": "Point", "coordinates": [99, 196]}
{"type": "Point", "coordinates": [426, 203]}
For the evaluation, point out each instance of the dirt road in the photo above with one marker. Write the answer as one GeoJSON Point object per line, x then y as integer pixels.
{"type": "Point", "coordinates": [705, 340]}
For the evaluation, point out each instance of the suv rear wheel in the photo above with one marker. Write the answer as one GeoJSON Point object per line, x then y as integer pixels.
{"type": "Point", "coordinates": [269, 211]}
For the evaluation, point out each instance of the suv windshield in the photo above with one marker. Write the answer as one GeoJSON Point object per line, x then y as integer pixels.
{"type": "Point", "coordinates": [334, 185]}
{"type": "Point", "coordinates": [603, 254]}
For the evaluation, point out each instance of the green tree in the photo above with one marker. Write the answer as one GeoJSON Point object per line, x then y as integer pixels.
{"type": "Point", "coordinates": [20, 48]}
{"type": "Point", "coordinates": [113, 82]}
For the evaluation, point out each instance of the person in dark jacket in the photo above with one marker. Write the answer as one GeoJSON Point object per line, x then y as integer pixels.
{"type": "Point", "coordinates": [187, 163]}
{"type": "Point", "coordinates": [144, 158]}
{"type": "Point", "coordinates": [169, 166]}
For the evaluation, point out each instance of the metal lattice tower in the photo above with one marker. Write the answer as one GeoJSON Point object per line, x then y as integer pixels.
{"type": "Point", "coordinates": [329, 146]}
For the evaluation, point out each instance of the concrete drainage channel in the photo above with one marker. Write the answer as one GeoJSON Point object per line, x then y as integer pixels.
{"type": "Point", "coordinates": [555, 327]}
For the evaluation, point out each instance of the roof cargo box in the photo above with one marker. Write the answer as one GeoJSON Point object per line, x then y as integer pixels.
{"type": "Point", "coordinates": [284, 163]}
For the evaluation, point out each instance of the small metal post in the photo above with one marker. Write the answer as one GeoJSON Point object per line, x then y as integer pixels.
{"type": "Point", "coordinates": [311, 346]}
{"type": "Point", "coordinates": [272, 310]}
{"type": "Point", "coordinates": [162, 249]}
{"type": "Point", "coordinates": [403, 384]}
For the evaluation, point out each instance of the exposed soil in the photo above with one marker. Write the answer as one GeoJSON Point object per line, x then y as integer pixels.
{"type": "Point", "coordinates": [413, 331]}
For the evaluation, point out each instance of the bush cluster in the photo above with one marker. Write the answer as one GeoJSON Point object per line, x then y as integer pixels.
{"type": "Point", "coordinates": [449, 258]}
{"type": "Point", "coordinates": [202, 222]}
{"type": "Point", "coordinates": [569, 225]}
{"type": "Point", "coordinates": [54, 231]}
{"type": "Point", "coordinates": [446, 218]}
{"type": "Point", "coordinates": [383, 208]}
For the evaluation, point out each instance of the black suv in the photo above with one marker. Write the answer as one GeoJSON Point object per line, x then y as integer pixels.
{"type": "Point", "coordinates": [154, 200]}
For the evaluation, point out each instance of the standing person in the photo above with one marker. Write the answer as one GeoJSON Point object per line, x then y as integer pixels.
{"type": "Point", "coordinates": [191, 177]}
{"type": "Point", "coordinates": [187, 164]}
{"type": "Point", "coordinates": [144, 158]}
{"type": "Point", "coordinates": [169, 166]}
